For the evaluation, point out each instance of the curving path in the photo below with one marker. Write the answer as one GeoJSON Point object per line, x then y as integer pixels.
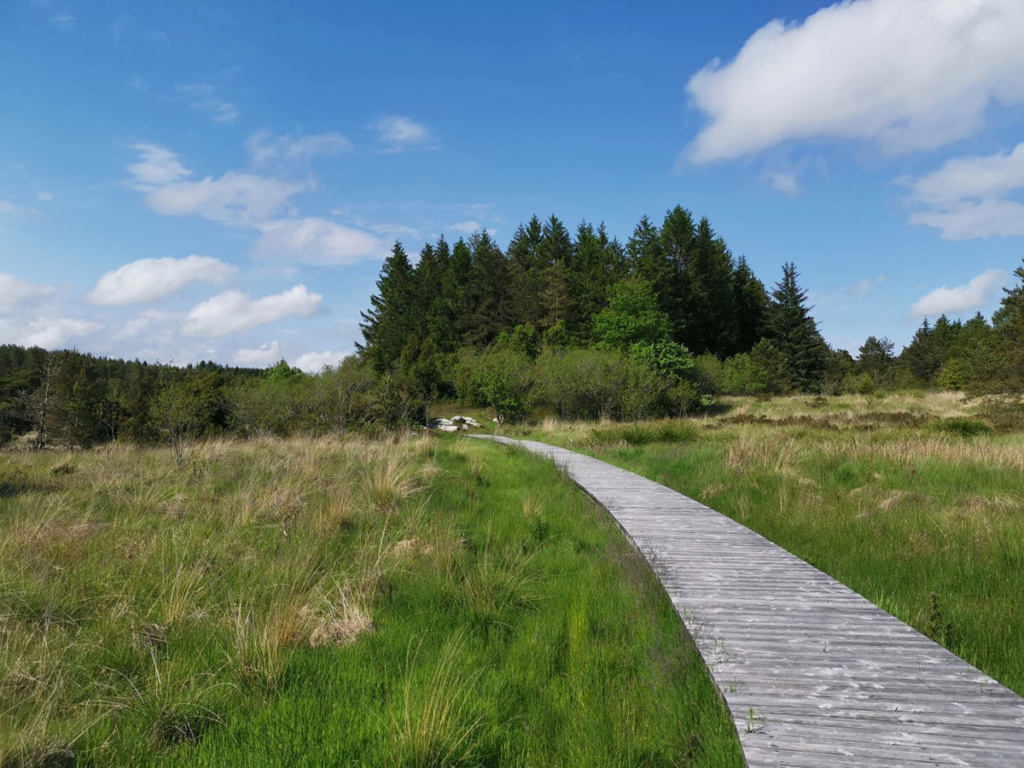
{"type": "Point", "coordinates": [814, 674]}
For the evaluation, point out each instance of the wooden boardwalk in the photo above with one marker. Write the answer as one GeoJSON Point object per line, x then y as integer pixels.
{"type": "Point", "coordinates": [814, 674]}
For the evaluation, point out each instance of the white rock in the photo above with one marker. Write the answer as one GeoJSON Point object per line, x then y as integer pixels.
{"type": "Point", "coordinates": [447, 428]}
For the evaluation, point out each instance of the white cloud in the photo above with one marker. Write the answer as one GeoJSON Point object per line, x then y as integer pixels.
{"type": "Point", "coordinates": [786, 183]}
{"type": "Point", "coordinates": [157, 166]}
{"type": "Point", "coordinates": [233, 311]}
{"type": "Point", "coordinates": [44, 197]}
{"type": "Point", "coordinates": [262, 356]}
{"type": "Point", "coordinates": [44, 331]}
{"type": "Point", "coordinates": [466, 226]}
{"type": "Point", "coordinates": [15, 292]}
{"type": "Point", "coordinates": [145, 320]}
{"type": "Point", "coordinates": [907, 74]}
{"type": "Point", "coordinates": [266, 148]}
{"type": "Point", "coordinates": [864, 287]}
{"type": "Point", "coordinates": [151, 279]}
{"type": "Point", "coordinates": [314, 362]}
{"type": "Point", "coordinates": [968, 220]}
{"type": "Point", "coordinates": [315, 241]}
{"type": "Point", "coordinates": [19, 211]}
{"type": "Point", "coordinates": [239, 199]}
{"type": "Point", "coordinates": [400, 133]}
{"type": "Point", "coordinates": [64, 19]}
{"type": "Point", "coordinates": [203, 97]}
{"type": "Point", "coordinates": [979, 292]}
{"type": "Point", "coordinates": [966, 197]}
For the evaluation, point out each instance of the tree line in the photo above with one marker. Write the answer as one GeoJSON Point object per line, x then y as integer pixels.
{"type": "Point", "coordinates": [579, 325]}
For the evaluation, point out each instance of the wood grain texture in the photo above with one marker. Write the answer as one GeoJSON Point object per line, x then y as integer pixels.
{"type": "Point", "coordinates": [814, 675]}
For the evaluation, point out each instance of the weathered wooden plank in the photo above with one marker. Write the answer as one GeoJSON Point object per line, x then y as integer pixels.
{"type": "Point", "coordinates": [813, 674]}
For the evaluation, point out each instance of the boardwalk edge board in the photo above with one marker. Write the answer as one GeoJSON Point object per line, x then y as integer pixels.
{"type": "Point", "coordinates": [813, 674]}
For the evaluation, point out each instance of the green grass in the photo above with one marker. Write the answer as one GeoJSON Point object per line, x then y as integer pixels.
{"type": "Point", "coordinates": [927, 521]}
{"type": "Point", "coordinates": [287, 603]}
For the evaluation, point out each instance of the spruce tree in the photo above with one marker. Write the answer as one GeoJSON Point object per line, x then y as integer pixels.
{"type": "Point", "coordinates": [1008, 348]}
{"type": "Point", "coordinates": [390, 321]}
{"type": "Point", "coordinates": [794, 331]}
{"type": "Point", "coordinates": [751, 301]}
{"type": "Point", "coordinates": [677, 239]}
{"type": "Point", "coordinates": [450, 313]}
{"type": "Point", "coordinates": [525, 274]}
{"type": "Point", "coordinates": [488, 292]}
{"type": "Point", "coordinates": [649, 262]}
{"type": "Point", "coordinates": [711, 311]}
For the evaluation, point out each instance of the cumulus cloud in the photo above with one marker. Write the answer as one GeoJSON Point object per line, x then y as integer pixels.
{"type": "Point", "coordinates": [265, 148]}
{"type": "Point", "coordinates": [314, 362]}
{"type": "Point", "coordinates": [239, 199]}
{"type": "Point", "coordinates": [398, 133]}
{"type": "Point", "coordinates": [15, 292]}
{"type": "Point", "coordinates": [979, 292]}
{"type": "Point", "coordinates": [786, 183]}
{"type": "Point", "coordinates": [156, 166]}
{"type": "Point", "coordinates": [45, 331]}
{"type": "Point", "coordinates": [233, 311]}
{"type": "Point", "coordinates": [907, 74]}
{"type": "Point", "coordinates": [151, 279]}
{"type": "Point", "coordinates": [203, 97]}
{"type": "Point", "coordinates": [255, 201]}
{"type": "Point", "coordinates": [262, 356]}
{"type": "Point", "coordinates": [315, 241]}
{"type": "Point", "coordinates": [966, 197]}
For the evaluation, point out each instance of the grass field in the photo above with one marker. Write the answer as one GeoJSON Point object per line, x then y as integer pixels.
{"type": "Point", "coordinates": [916, 502]}
{"type": "Point", "coordinates": [422, 602]}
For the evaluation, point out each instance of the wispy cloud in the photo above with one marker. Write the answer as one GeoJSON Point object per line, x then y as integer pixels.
{"type": "Point", "coordinates": [784, 182]}
{"type": "Point", "coordinates": [203, 97]}
{"type": "Point", "coordinates": [397, 133]}
{"type": "Point", "coordinates": [266, 148]}
{"type": "Point", "coordinates": [968, 196]}
{"type": "Point", "coordinates": [157, 165]}
{"type": "Point", "coordinates": [18, 211]}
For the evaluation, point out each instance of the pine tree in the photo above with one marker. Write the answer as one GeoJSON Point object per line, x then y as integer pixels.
{"type": "Point", "coordinates": [794, 331]}
{"type": "Point", "coordinates": [391, 319]}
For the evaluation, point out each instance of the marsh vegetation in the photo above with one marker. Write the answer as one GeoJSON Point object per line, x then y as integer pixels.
{"type": "Point", "coordinates": [915, 501]}
{"type": "Point", "coordinates": [295, 602]}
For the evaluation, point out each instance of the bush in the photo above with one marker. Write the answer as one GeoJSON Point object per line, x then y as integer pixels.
{"type": "Point", "coordinates": [583, 383]}
{"type": "Point", "coordinates": [507, 381]}
{"type": "Point", "coordinates": [963, 427]}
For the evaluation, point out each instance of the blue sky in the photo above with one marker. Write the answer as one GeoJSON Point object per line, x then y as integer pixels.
{"type": "Point", "coordinates": [196, 180]}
